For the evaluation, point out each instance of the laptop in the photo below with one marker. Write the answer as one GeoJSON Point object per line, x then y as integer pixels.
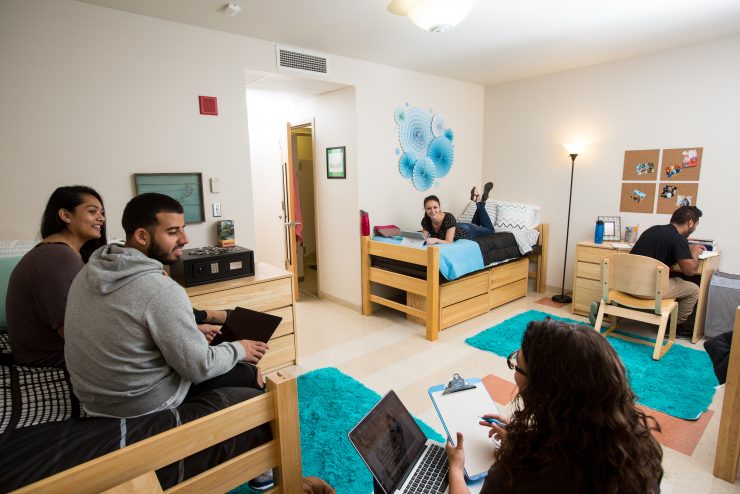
{"type": "Point", "coordinates": [396, 451]}
{"type": "Point", "coordinates": [247, 324]}
{"type": "Point", "coordinates": [412, 239]}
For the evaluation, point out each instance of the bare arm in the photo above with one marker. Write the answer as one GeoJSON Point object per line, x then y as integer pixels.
{"type": "Point", "coordinates": [456, 461]}
{"type": "Point", "coordinates": [690, 267]}
{"type": "Point", "coordinates": [449, 238]}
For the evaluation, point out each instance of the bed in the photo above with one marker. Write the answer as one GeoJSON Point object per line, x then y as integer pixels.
{"type": "Point", "coordinates": [437, 302]}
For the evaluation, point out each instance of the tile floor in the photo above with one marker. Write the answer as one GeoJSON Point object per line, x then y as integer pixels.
{"type": "Point", "coordinates": [385, 351]}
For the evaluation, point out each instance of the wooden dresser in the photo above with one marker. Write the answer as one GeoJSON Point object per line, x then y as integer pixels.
{"type": "Point", "coordinates": [269, 290]}
{"type": "Point", "coordinates": [587, 280]}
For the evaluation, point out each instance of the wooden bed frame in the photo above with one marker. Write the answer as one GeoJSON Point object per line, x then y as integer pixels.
{"type": "Point", "coordinates": [131, 469]}
{"type": "Point", "coordinates": [441, 306]}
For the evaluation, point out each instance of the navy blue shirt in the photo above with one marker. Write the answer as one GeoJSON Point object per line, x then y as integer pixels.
{"type": "Point", "coordinates": [664, 243]}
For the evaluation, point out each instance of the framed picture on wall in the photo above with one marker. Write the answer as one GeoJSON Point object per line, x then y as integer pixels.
{"type": "Point", "coordinates": [336, 162]}
{"type": "Point", "coordinates": [612, 228]}
{"type": "Point", "coordinates": [186, 188]}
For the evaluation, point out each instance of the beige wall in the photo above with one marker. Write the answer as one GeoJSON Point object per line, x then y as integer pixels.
{"type": "Point", "coordinates": [683, 97]}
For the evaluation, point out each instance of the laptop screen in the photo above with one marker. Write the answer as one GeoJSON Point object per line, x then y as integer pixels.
{"type": "Point", "coordinates": [389, 441]}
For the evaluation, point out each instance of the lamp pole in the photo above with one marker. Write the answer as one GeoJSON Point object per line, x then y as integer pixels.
{"type": "Point", "coordinates": [563, 298]}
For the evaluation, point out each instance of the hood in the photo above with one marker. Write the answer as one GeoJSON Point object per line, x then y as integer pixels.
{"type": "Point", "coordinates": [114, 266]}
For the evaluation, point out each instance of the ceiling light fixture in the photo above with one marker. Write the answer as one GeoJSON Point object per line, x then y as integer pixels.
{"type": "Point", "coordinates": [233, 9]}
{"type": "Point", "coordinates": [437, 16]}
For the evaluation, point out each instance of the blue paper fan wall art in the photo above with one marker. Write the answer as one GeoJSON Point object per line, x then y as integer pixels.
{"type": "Point", "coordinates": [427, 152]}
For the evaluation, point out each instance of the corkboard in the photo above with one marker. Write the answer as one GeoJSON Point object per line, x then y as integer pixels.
{"type": "Point", "coordinates": [669, 205]}
{"type": "Point", "coordinates": [675, 158]}
{"type": "Point", "coordinates": [634, 158]}
{"type": "Point", "coordinates": [628, 205]}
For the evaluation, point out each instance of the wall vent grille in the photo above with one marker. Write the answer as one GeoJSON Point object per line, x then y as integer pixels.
{"type": "Point", "coordinates": [293, 60]}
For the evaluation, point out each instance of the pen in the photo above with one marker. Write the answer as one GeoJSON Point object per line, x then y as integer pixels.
{"type": "Point", "coordinates": [491, 420]}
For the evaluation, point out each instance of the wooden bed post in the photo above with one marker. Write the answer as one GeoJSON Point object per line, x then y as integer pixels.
{"type": "Point", "coordinates": [367, 305]}
{"type": "Point", "coordinates": [728, 441]}
{"type": "Point", "coordinates": [286, 430]}
{"type": "Point", "coordinates": [432, 299]}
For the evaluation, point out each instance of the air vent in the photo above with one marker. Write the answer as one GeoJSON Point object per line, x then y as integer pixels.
{"type": "Point", "coordinates": [301, 61]}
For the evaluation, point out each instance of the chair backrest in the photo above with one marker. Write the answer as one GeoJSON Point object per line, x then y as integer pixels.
{"type": "Point", "coordinates": [639, 276]}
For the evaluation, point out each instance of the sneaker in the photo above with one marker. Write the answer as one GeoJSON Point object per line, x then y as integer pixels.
{"type": "Point", "coordinates": [684, 330]}
{"type": "Point", "coordinates": [262, 482]}
{"type": "Point", "coordinates": [592, 313]}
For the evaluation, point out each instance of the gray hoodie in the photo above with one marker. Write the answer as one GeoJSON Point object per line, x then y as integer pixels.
{"type": "Point", "coordinates": [131, 343]}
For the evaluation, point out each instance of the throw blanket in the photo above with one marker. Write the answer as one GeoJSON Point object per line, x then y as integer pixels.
{"type": "Point", "coordinates": [497, 247]}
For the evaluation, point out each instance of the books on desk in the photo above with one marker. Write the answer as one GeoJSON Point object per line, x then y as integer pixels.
{"type": "Point", "coordinates": [708, 253]}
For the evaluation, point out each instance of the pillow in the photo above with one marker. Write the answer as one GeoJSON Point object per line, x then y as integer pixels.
{"type": "Point", "coordinates": [516, 215]}
{"type": "Point", "coordinates": [7, 265]}
{"type": "Point", "coordinates": [467, 215]}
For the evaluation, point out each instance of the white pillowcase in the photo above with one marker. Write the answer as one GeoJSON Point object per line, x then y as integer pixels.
{"type": "Point", "coordinates": [467, 215]}
{"type": "Point", "coordinates": [516, 215]}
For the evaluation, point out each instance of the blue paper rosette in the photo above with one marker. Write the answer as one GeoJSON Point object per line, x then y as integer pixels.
{"type": "Point", "coordinates": [415, 133]}
{"type": "Point", "coordinates": [424, 173]}
{"type": "Point", "coordinates": [406, 164]}
{"type": "Point", "coordinates": [438, 125]}
{"type": "Point", "coordinates": [442, 154]}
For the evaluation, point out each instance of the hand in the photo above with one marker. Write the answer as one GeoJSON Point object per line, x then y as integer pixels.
{"type": "Point", "coordinates": [254, 350]}
{"type": "Point", "coordinates": [209, 331]}
{"type": "Point", "coordinates": [456, 455]}
{"type": "Point", "coordinates": [696, 249]}
{"type": "Point", "coordinates": [432, 240]}
{"type": "Point", "coordinates": [495, 428]}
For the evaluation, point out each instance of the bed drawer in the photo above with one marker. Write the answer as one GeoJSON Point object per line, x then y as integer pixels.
{"type": "Point", "coordinates": [459, 290]}
{"type": "Point", "coordinates": [462, 311]}
{"type": "Point", "coordinates": [281, 353]}
{"type": "Point", "coordinates": [507, 293]}
{"type": "Point", "coordinates": [260, 296]}
{"type": "Point", "coordinates": [509, 272]}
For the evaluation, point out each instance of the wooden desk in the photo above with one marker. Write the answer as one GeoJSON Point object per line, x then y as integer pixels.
{"type": "Point", "coordinates": [269, 290]}
{"type": "Point", "coordinates": [587, 280]}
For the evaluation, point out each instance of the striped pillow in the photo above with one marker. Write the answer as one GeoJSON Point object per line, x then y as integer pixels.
{"type": "Point", "coordinates": [467, 215]}
{"type": "Point", "coordinates": [516, 215]}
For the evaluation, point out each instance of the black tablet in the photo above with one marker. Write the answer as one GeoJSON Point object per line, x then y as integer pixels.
{"type": "Point", "coordinates": [247, 324]}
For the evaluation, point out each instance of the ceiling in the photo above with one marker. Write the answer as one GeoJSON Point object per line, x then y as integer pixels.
{"type": "Point", "coordinates": [499, 41]}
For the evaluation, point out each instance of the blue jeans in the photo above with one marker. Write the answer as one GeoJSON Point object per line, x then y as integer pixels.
{"type": "Point", "coordinates": [480, 223]}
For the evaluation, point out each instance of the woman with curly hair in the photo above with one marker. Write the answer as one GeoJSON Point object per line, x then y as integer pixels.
{"type": "Point", "coordinates": [575, 427]}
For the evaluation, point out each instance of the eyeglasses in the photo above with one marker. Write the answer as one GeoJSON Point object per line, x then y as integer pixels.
{"type": "Point", "coordinates": [511, 362]}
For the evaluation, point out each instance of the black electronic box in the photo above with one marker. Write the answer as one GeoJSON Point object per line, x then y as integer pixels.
{"type": "Point", "coordinates": [211, 264]}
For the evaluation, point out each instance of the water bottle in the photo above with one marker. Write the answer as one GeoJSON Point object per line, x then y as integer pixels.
{"type": "Point", "coordinates": [599, 232]}
{"type": "Point", "coordinates": [364, 223]}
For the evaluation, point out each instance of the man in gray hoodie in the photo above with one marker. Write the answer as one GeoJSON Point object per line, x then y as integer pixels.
{"type": "Point", "coordinates": [132, 345]}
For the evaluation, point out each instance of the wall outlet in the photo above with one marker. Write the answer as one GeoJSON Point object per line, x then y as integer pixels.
{"type": "Point", "coordinates": [216, 209]}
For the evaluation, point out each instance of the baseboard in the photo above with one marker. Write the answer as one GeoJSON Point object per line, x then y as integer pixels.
{"type": "Point", "coordinates": [340, 301]}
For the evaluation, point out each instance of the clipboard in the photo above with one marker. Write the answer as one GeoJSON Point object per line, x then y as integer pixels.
{"type": "Point", "coordinates": [459, 412]}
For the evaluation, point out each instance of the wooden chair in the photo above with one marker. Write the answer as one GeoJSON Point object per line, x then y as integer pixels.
{"type": "Point", "coordinates": [636, 284]}
{"type": "Point", "coordinates": [728, 440]}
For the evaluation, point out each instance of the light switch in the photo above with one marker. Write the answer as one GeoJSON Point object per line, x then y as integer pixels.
{"type": "Point", "coordinates": [216, 186]}
{"type": "Point", "coordinates": [216, 209]}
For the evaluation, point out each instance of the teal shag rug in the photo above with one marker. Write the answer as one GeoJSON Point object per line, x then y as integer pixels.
{"type": "Point", "coordinates": [681, 383]}
{"type": "Point", "coordinates": [330, 404]}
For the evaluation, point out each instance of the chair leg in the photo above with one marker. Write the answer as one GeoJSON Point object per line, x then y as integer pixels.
{"type": "Point", "coordinates": [674, 320]}
{"type": "Point", "coordinates": [661, 349]}
{"type": "Point", "coordinates": [599, 317]}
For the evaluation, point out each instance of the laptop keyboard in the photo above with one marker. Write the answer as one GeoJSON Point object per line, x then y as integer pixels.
{"type": "Point", "coordinates": [431, 476]}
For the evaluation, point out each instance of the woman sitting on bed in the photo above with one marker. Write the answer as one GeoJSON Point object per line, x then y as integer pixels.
{"type": "Point", "coordinates": [575, 427]}
{"type": "Point", "coordinates": [72, 227]}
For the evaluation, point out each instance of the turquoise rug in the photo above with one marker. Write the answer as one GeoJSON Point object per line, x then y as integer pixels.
{"type": "Point", "coordinates": [330, 404]}
{"type": "Point", "coordinates": [680, 384]}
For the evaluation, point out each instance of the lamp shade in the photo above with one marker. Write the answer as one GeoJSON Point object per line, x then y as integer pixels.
{"type": "Point", "coordinates": [573, 147]}
{"type": "Point", "coordinates": [439, 16]}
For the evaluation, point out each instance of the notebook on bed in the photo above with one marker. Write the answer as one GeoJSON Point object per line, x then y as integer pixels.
{"type": "Point", "coordinates": [412, 239]}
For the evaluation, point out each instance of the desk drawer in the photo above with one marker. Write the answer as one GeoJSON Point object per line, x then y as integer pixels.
{"type": "Point", "coordinates": [266, 296]}
{"type": "Point", "coordinates": [586, 292]}
{"type": "Point", "coordinates": [588, 270]}
{"type": "Point", "coordinates": [510, 272]}
{"type": "Point", "coordinates": [593, 254]}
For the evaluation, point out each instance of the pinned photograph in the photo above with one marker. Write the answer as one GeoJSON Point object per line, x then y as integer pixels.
{"type": "Point", "coordinates": [644, 168]}
{"type": "Point", "coordinates": [672, 170]}
{"type": "Point", "coordinates": [637, 195]}
{"type": "Point", "coordinates": [668, 191]}
{"type": "Point", "coordinates": [684, 200]}
{"type": "Point", "coordinates": [689, 158]}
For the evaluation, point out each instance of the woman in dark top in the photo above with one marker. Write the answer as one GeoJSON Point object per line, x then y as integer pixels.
{"type": "Point", "coordinates": [439, 227]}
{"type": "Point", "coordinates": [575, 428]}
{"type": "Point", "coordinates": [72, 227]}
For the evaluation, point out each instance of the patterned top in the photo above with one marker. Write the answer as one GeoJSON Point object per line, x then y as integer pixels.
{"type": "Point", "coordinates": [448, 222]}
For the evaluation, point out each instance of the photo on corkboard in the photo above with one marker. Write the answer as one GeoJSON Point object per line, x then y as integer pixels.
{"type": "Point", "coordinates": [637, 197]}
{"type": "Point", "coordinates": [671, 196]}
{"type": "Point", "coordinates": [641, 165]}
{"type": "Point", "coordinates": [682, 164]}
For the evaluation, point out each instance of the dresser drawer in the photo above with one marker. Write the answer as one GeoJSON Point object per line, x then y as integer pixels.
{"type": "Point", "coordinates": [586, 292]}
{"type": "Point", "coordinates": [510, 272]}
{"type": "Point", "coordinates": [286, 325]}
{"type": "Point", "coordinates": [588, 270]}
{"type": "Point", "coordinates": [593, 254]}
{"type": "Point", "coordinates": [263, 297]}
{"type": "Point", "coordinates": [280, 354]}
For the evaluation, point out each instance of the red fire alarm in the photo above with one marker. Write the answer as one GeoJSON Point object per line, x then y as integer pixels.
{"type": "Point", "coordinates": [208, 105]}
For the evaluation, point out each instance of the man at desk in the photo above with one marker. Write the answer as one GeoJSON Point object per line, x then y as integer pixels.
{"type": "Point", "coordinates": [669, 244]}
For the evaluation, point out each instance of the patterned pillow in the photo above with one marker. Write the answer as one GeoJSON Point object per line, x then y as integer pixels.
{"type": "Point", "coordinates": [467, 215]}
{"type": "Point", "coordinates": [516, 215]}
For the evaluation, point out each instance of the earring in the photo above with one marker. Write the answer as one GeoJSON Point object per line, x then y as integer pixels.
{"type": "Point", "coordinates": [67, 220]}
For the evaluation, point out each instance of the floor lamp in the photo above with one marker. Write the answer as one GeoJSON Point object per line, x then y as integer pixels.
{"type": "Point", "coordinates": [573, 150]}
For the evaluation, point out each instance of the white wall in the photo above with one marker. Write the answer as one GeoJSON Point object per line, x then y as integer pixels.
{"type": "Point", "coordinates": [680, 98]}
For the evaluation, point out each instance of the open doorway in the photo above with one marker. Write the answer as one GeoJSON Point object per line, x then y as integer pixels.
{"type": "Point", "coordinates": [301, 142]}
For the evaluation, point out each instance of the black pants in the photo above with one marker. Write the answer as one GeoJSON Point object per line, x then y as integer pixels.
{"type": "Point", "coordinates": [243, 375]}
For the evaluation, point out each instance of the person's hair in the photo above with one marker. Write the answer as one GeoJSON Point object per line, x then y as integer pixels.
{"type": "Point", "coordinates": [141, 211]}
{"type": "Point", "coordinates": [577, 414]}
{"type": "Point", "coordinates": [682, 215]}
{"type": "Point", "coordinates": [69, 197]}
{"type": "Point", "coordinates": [431, 198]}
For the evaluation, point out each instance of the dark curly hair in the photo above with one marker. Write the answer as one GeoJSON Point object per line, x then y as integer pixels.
{"type": "Point", "coordinates": [576, 417]}
{"type": "Point", "coordinates": [69, 197]}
